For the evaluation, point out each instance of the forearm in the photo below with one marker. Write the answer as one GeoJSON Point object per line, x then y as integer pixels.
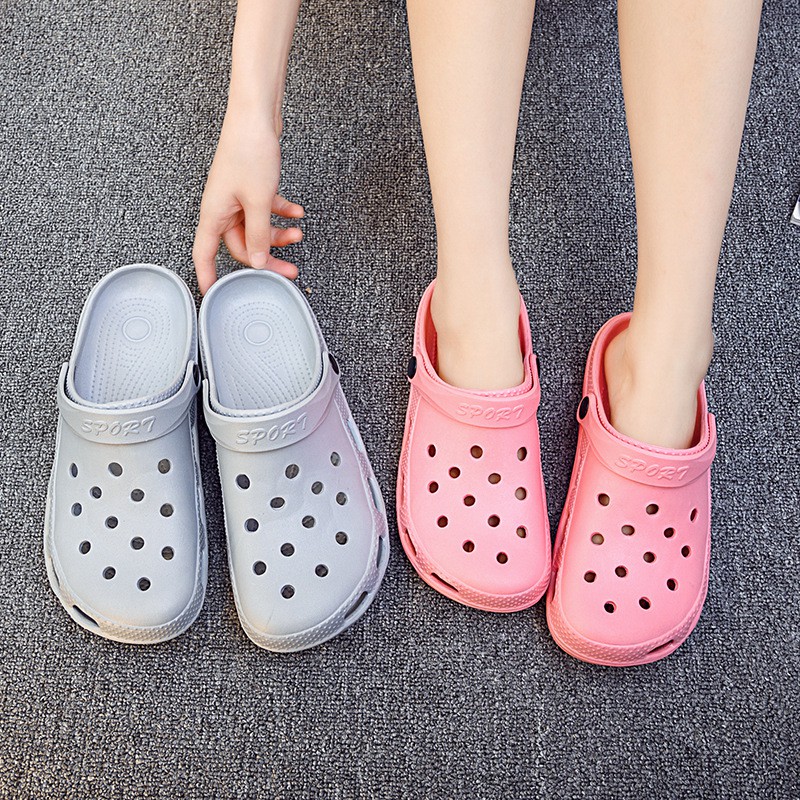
{"type": "Point", "coordinates": [261, 41]}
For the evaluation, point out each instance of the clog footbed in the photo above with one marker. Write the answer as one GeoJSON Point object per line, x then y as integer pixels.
{"type": "Point", "coordinates": [305, 520]}
{"type": "Point", "coordinates": [125, 542]}
{"type": "Point", "coordinates": [630, 569]}
{"type": "Point", "coordinates": [470, 496]}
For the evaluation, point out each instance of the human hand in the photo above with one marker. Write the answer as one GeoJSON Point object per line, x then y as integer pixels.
{"type": "Point", "coordinates": [239, 198]}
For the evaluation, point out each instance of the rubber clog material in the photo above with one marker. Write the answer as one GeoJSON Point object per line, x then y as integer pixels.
{"type": "Point", "coordinates": [631, 560]}
{"type": "Point", "coordinates": [125, 538]}
{"type": "Point", "coordinates": [470, 495]}
{"type": "Point", "coordinates": [306, 524]}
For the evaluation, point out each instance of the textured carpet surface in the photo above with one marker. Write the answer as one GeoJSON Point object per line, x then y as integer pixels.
{"type": "Point", "coordinates": [109, 119]}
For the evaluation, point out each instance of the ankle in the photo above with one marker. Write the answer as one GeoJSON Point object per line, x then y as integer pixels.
{"type": "Point", "coordinates": [474, 293]}
{"type": "Point", "coordinates": [671, 353]}
{"type": "Point", "coordinates": [476, 317]}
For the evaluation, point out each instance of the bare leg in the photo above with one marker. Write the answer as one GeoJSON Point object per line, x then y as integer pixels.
{"type": "Point", "coordinates": [686, 70]}
{"type": "Point", "coordinates": [469, 62]}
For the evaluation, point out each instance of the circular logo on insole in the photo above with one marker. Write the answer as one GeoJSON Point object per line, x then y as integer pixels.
{"type": "Point", "coordinates": [258, 332]}
{"type": "Point", "coordinates": [136, 329]}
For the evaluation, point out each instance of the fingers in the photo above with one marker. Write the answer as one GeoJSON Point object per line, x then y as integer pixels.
{"type": "Point", "coordinates": [285, 236]}
{"type": "Point", "coordinates": [248, 242]}
{"type": "Point", "coordinates": [284, 208]}
{"type": "Point", "coordinates": [259, 236]}
{"type": "Point", "coordinates": [204, 252]}
{"type": "Point", "coordinates": [285, 268]}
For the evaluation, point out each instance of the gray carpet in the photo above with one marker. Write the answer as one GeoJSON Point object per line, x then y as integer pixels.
{"type": "Point", "coordinates": [110, 114]}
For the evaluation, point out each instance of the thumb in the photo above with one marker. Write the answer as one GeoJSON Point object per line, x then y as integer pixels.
{"type": "Point", "coordinates": [257, 235]}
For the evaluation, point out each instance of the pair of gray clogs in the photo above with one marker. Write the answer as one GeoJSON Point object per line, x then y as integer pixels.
{"type": "Point", "coordinates": [125, 531]}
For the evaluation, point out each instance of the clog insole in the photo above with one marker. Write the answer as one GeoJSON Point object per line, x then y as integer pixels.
{"type": "Point", "coordinates": [263, 346]}
{"type": "Point", "coordinates": [134, 340]}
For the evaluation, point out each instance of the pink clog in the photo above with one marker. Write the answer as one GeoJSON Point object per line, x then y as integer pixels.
{"type": "Point", "coordinates": [630, 568]}
{"type": "Point", "coordinates": [470, 496]}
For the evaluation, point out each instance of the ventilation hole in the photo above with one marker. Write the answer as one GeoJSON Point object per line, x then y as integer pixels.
{"type": "Point", "coordinates": [167, 553]}
{"type": "Point", "coordinates": [320, 570]}
{"type": "Point", "coordinates": [137, 543]}
{"type": "Point", "coordinates": [166, 510]}
{"type": "Point", "coordinates": [433, 487]}
{"type": "Point", "coordinates": [242, 481]}
{"type": "Point", "coordinates": [628, 530]}
{"type": "Point", "coordinates": [597, 538]}
{"type": "Point", "coordinates": [649, 557]}
{"type": "Point", "coordinates": [317, 487]}
{"type": "Point", "coordinates": [522, 453]}
{"type": "Point", "coordinates": [292, 471]}
{"type": "Point", "coordinates": [442, 522]}
{"type": "Point", "coordinates": [686, 551]}
{"type": "Point", "coordinates": [660, 647]}
{"type": "Point", "coordinates": [502, 558]}
{"type": "Point", "coordinates": [341, 498]}
{"type": "Point", "coordinates": [493, 521]}
{"type": "Point", "coordinates": [410, 542]}
{"type": "Point", "coordinates": [287, 591]}
{"type": "Point", "coordinates": [494, 478]}
{"type": "Point", "coordinates": [652, 509]}
{"type": "Point", "coordinates": [379, 555]}
{"type": "Point", "coordinates": [115, 469]}
{"type": "Point", "coordinates": [468, 546]}
{"type": "Point", "coordinates": [137, 495]}
{"type": "Point", "coordinates": [277, 502]}
{"type": "Point", "coordinates": [109, 573]}
{"type": "Point", "coordinates": [143, 584]}
{"type": "Point", "coordinates": [693, 515]}
{"type": "Point", "coordinates": [96, 492]}
{"type": "Point", "coordinates": [520, 494]}
{"type": "Point", "coordinates": [85, 616]}
{"type": "Point", "coordinates": [377, 497]}
{"type": "Point", "coordinates": [341, 537]}
{"type": "Point", "coordinates": [621, 571]}
{"type": "Point", "coordinates": [603, 499]}
{"type": "Point", "coordinates": [361, 598]}
{"type": "Point", "coordinates": [454, 472]}
{"type": "Point", "coordinates": [672, 584]}
{"type": "Point", "coordinates": [259, 567]}
{"type": "Point", "coordinates": [590, 576]}
{"type": "Point", "coordinates": [336, 459]}
{"type": "Point", "coordinates": [443, 582]}
{"type": "Point", "coordinates": [609, 607]}
{"type": "Point", "coordinates": [111, 522]}
{"type": "Point", "coordinates": [287, 549]}
{"type": "Point", "coordinates": [309, 522]}
{"type": "Point", "coordinates": [164, 466]}
{"type": "Point", "coordinates": [669, 533]}
{"type": "Point", "coordinates": [476, 451]}
{"type": "Point", "coordinates": [251, 525]}
{"type": "Point", "coordinates": [73, 470]}
{"type": "Point", "coordinates": [85, 547]}
{"type": "Point", "coordinates": [522, 531]}
{"type": "Point", "coordinates": [469, 500]}
{"type": "Point", "coordinates": [431, 450]}
{"type": "Point", "coordinates": [644, 603]}
{"type": "Point", "coordinates": [76, 509]}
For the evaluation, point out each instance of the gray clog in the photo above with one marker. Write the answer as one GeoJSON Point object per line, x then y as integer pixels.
{"type": "Point", "coordinates": [305, 520]}
{"type": "Point", "coordinates": [125, 539]}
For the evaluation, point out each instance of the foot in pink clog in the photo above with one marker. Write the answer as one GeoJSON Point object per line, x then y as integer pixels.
{"type": "Point", "coordinates": [630, 567]}
{"type": "Point", "coordinates": [470, 496]}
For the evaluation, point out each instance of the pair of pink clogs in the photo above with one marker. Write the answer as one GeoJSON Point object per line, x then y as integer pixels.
{"type": "Point", "coordinates": [629, 574]}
